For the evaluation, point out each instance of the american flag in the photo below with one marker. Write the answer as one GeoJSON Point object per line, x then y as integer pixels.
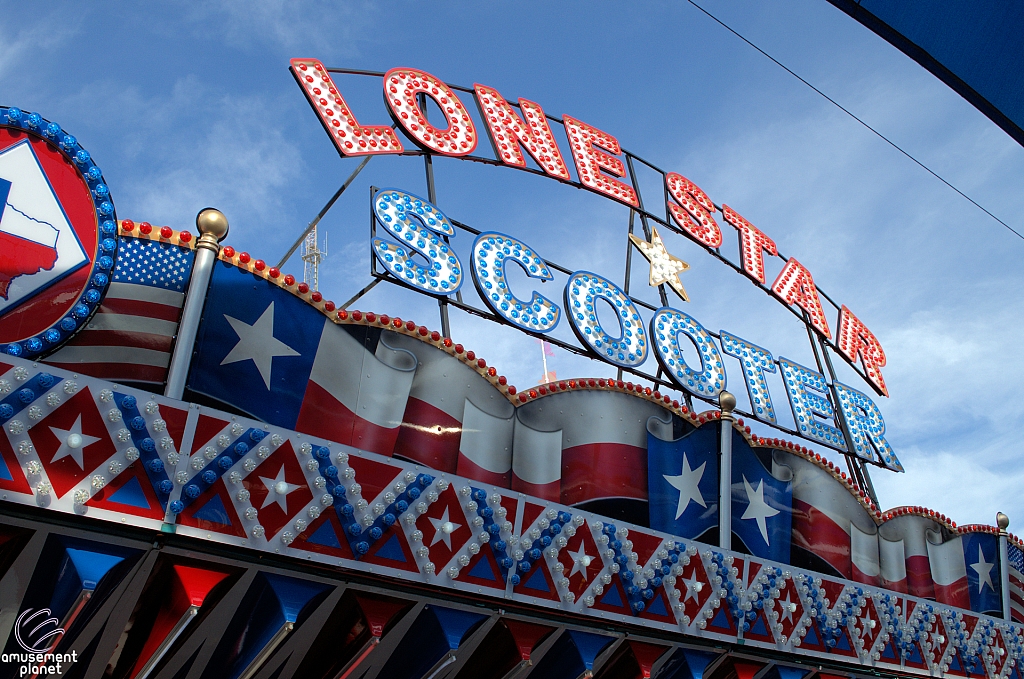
{"type": "Point", "coordinates": [130, 337]}
{"type": "Point", "coordinates": [1016, 559]}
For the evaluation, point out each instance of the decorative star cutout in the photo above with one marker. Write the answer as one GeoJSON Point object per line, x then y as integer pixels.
{"type": "Point", "coordinates": [758, 509]}
{"type": "Point", "coordinates": [984, 571]}
{"type": "Point", "coordinates": [257, 343]}
{"type": "Point", "coordinates": [277, 490]}
{"type": "Point", "coordinates": [787, 608]}
{"type": "Point", "coordinates": [443, 529]}
{"type": "Point", "coordinates": [72, 451]}
{"type": "Point", "coordinates": [665, 268]}
{"type": "Point", "coordinates": [692, 586]}
{"type": "Point", "coordinates": [686, 483]}
{"type": "Point", "coordinates": [580, 561]}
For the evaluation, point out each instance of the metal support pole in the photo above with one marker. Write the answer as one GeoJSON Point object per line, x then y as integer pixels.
{"type": "Point", "coordinates": [213, 228]}
{"type": "Point", "coordinates": [857, 471]}
{"type": "Point", "coordinates": [855, 463]}
{"type": "Point", "coordinates": [728, 403]}
{"type": "Point", "coordinates": [1003, 522]}
{"type": "Point", "coordinates": [428, 162]}
{"type": "Point", "coordinates": [320, 215]}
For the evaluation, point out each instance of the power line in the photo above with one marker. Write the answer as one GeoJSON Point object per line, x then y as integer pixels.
{"type": "Point", "coordinates": [852, 115]}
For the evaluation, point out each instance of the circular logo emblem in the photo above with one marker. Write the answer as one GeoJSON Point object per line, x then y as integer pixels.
{"type": "Point", "coordinates": [58, 235]}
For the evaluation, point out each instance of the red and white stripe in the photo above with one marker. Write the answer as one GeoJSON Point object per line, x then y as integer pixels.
{"type": "Point", "coordinates": [949, 572]}
{"type": "Point", "coordinates": [912, 530]}
{"type": "Point", "coordinates": [864, 557]}
{"type": "Point", "coordinates": [603, 442]}
{"type": "Point", "coordinates": [431, 432]}
{"type": "Point", "coordinates": [1016, 562]}
{"type": "Point", "coordinates": [485, 449]}
{"type": "Point", "coordinates": [353, 396]}
{"type": "Point", "coordinates": [893, 563]}
{"type": "Point", "coordinates": [130, 337]}
{"type": "Point", "coordinates": [537, 461]}
{"type": "Point", "coordinates": [824, 517]}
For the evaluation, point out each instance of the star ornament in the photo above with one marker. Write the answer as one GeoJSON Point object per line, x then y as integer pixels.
{"type": "Point", "coordinates": [277, 490]}
{"type": "Point", "coordinates": [72, 442]}
{"type": "Point", "coordinates": [443, 529]}
{"type": "Point", "coordinates": [665, 267]}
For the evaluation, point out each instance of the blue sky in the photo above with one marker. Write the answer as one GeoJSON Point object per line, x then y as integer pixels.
{"type": "Point", "coordinates": [185, 106]}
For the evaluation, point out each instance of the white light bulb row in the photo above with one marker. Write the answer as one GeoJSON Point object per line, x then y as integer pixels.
{"type": "Point", "coordinates": [241, 496]}
{"type": "Point", "coordinates": [418, 508]}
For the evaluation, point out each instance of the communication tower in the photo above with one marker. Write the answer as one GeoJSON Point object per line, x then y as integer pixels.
{"type": "Point", "coordinates": [312, 255]}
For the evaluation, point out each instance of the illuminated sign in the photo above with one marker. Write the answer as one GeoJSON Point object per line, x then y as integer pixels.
{"type": "Point", "coordinates": [57, 235]}
{"type": "Point", "coordinates": [824, 410]}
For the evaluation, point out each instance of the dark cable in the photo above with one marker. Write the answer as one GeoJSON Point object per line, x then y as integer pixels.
{"type": "Point", "coordinates": [847, 112]}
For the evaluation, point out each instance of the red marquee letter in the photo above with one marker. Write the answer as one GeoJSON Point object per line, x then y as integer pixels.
{"type": "Point", "coordinates": [351, 138]}
{"type": "Point", "coordinates": [585, 142]}
{"type": "Point", "coordinates": [753, 244]}
{"type": "Point", "coordinates": [508, 131]}
{"type": "Point", "coordinates": [855, 339]}
{"type": "Point", "coordinates": [795, 286]}
{"type": "Point", "coordinates": [401, 85]}
{"type": "Point", "coordinates": [697, 206]}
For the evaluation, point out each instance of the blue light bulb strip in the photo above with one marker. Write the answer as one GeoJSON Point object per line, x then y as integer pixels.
{"type": "Point", "coordinates": [232, 453]}
{"type": "Point", "coordinates": [136, 426]}
{"type": "Point", "coordinates": [418, 227]}
{"type": "Point", "coordinates": [745, 603]}
{"type": "Point", "coordinates": [628, 347]}
{"type": "Point", "coordinates": [22, 397]}
{"type": "Point", "coordinates": [92, 295]}
{"type": "Point", "coordinates": [639, 589]}
{"type": "Point", "coordinates": [493, 529]}
{"type": "Point", "coordinates": [491, 252]}
{"type": "Point", "coordinates": [535, 552]}
{"type": "Point", "coordinates": [360, 540]}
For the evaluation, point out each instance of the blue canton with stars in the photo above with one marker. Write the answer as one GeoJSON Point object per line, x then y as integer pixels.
{"type": "Point", "coordinates": [984, 579]}
{"type": "Point", "coordinates": [152, 263]}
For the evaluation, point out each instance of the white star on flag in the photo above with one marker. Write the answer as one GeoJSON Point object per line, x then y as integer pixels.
{"type": "Point", "coordinates": [686, 483]}
{"type": "Point", "coordinates": [72, 442]}
{"type": "Point", "coordinates": [277, 490]}
{"type": "Point", "coordinates": [443, 529]}
{"type": "Point", "coordinates": [580, 561]}
{"type": "Point", "coordinates": [257, 343]}
{"type": "Point", "coordinates": [984, 571]}
{"type": "Point", "coordinates": [758, 509]}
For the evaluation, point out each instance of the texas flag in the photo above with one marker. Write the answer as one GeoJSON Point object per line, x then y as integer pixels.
{"type": "Point", "coordinates": [832, 532]}
{"type": "Point", "coordinates": [455, 420]}
{"type": "Point", "coordinates": [682, 479]}
{"type": "Point", "coordinates": [984, 576]}
{"type": "Point", "coordinates": [602, 444]}
{"type": "Point", "coordinates": [262, 351]}
{"type": "Point", "coordinates": [950, 574]}
{"type": "Point", "coordinates": [762, 502]}
{"type": "Point", "coordinates": [906, 537]}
